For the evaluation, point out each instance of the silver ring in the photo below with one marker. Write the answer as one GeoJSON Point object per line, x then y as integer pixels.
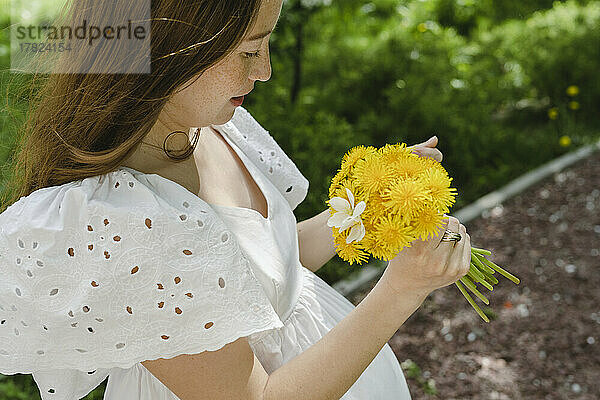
{"type": "Point", "coordinates": [451, 236]}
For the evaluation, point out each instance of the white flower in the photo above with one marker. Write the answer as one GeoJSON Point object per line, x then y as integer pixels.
{"type": "Point", "coordinates": [347, 216]}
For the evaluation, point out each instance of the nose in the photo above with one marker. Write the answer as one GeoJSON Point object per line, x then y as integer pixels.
{"type": "Point", "coordinates": [261, 69]}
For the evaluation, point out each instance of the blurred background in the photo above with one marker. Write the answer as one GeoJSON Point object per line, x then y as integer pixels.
{"type": "Point", "coordinates": [506, 86]}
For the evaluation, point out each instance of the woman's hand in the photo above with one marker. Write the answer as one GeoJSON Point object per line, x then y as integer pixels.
{"type": "Point", "coordinates": [427, 149]}
{"type": "Point", "coordinates": [431, 264]}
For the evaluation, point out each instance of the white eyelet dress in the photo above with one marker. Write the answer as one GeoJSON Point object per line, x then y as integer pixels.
{"type": "Point", "coordinates": [306, 304]}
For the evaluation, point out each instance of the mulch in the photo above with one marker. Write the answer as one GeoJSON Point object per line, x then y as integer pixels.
{"type": "Point", "coordinates": [544, 342]}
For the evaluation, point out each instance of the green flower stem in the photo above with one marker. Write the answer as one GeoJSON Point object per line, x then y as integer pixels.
{"type": "Point", "coordinates": [471, 286]}
{"type": "Point", "coordinates": [471, 301]}
{"type": "Point", "coordinates": [479, 256]}
{"type": "Point", "coordinates": [474, 274]}
{"type": "Point", "coordinates": [506, 274]}
{"type": "Point", "coordinates": [491, 279]}
{"type": "Point", "coordinates": [481, 251]}
{"type": "Point", "coordinates": [482, 271]}
{"type": "Point", "coordinates": [477, 261]}
{"type": "Point", "coordinates": [479, 278]}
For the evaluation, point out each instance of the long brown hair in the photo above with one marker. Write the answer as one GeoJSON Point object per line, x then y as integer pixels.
{"type": "Point", "coordinates": [82, 124]}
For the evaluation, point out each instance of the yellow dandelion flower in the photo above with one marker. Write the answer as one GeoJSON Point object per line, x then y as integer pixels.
{"type": "Point", "coordinates": [372, 175]}
{"type": "Point", "coordinates": [378, 249]}
{"type": "Point", "coordinates": [340, 191]}
{"type": "Point", "coordinates": [388, 158]}
{"type": "Point", "coordinates": [406, 197]}
{"type": "Point", "coordinates": [409, 166]}
{"type": "Point", "coordinates": [553, 113]}
{"type": "Point", "coordinates": [564, 141]}
{"type": "Point", "coordinates": [392, 151]}
{"type": "Point", "coordinates": [437, 182]}
{"type": "Point", "coordinates": [355, 154]}
{"type": "Point", "coordinates": [431, 163]}
{"type": "Point", "coordinates": [345, 169]}
{"type": "Point", "coordinates": [350, 252]}
{"type": "Point", "coordinates": [376, 207]}
{"type": "Point", "coordinates": [574, 105]}
{"type": "Point", "coordinates": [427, 222]}
{"type": "Point", "coordinates": [336, 182]}
{"type": "Point", "coordinates": [572, 91]}
{"type": "Point", "coordinates": [391, 230]}
{"type": "Point", "coordinates": [422, 27]}
{"type": "Point", "coordinates": [372, 245]}
{"type": "Point", "coordinates": [358, 193]}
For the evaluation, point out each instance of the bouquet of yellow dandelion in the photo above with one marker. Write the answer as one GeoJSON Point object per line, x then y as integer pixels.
{"type": "Point", "coordinates": [383, 199]}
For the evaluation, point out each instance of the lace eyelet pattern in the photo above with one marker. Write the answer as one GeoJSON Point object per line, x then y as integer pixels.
{"type": "Point", "coordinates": [83, 265]}
{"type": "Point", "coordinates": [112, 284]}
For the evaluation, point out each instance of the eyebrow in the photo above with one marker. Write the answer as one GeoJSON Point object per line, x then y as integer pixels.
{"type": "Point", "coordinates": [258, 36]}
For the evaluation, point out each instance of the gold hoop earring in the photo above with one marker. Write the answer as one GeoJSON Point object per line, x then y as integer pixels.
{"type": "Point", "coordinates": [186, 153]}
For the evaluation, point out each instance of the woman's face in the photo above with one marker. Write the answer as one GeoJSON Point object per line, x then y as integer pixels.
{"type": "Point", "coordinates": [207, 100]}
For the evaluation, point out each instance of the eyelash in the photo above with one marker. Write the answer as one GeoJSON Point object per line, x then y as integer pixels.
{"type": "Point", "coordinates": [253, 55]}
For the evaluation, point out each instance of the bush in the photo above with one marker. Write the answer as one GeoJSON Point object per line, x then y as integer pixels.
{"type": "Point", "coordinates": [406, 84]}
{"type": "Point", "coordinates": [552, 51]}
{"type": "Point", "coordinates": [466, 15]}
{"type": "Point", "coordinates": [413, 78]}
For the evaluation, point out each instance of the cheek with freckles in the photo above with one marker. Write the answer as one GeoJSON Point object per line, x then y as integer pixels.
{"type": "Point", "coordinates": [202, 102]}
{"type": "Point", "coordinates": [228, 79]}
{"type": "Point", "coordinates": [190, 104]}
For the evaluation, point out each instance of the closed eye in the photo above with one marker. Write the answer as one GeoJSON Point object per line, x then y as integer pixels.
{"type": "Point", "coordinates": [252, 55]}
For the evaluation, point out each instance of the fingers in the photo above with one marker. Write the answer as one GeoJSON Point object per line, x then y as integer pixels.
{"type": "Point", "coordinates": [453, 248]}
{"type": "Point", "coordinates": [433, 153]}
{"type": "Point", "coordinates": [440, 232]}
{"type": "Point", "coordinates": [429, 153]}
{"type": "Point", "coordinates": [431, 142]}
{"type": "Point", "coordinates": [452, 225]}
{"type": "Point", "coordinates": [466, 256]}
{"type": "Point", "coordinates": [456, 262]}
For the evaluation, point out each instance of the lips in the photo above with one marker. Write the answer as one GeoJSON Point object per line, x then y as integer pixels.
{"type": "Point", "coordinates": [237, 101]}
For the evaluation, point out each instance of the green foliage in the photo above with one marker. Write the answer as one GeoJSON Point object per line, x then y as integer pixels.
{"type": "Point", "coordinates": [23, 387]}
{"type": "Point", "coordinates": [490, 313]}
{"type": "Point", "coordinates": [18, 387]}
{"type": "Point", "coordinates": [498, 11]}
{"type": "Point", "coordinates": [407, 77]}
{"type": "Point", "coordinates": [467, 15]}
{"type": "Point", "coordinates": [395, 74]}
{"type": "Point", "coordinates": [413, 371]}
{"type": "Point", "coordinates": [550, 52]}
{"type": "Point", "coordinates": [4, 41]}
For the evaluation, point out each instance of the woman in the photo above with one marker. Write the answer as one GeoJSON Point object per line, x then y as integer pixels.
{"type": "Point", "coordinates": [178, 275]}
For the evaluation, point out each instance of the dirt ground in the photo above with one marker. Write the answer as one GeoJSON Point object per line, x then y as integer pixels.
{"type": "Point", "coordinates": [544, 342]}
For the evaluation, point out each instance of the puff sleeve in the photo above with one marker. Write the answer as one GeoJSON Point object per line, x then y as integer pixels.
{"type": "Point", "coordinates": [116, 269]}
